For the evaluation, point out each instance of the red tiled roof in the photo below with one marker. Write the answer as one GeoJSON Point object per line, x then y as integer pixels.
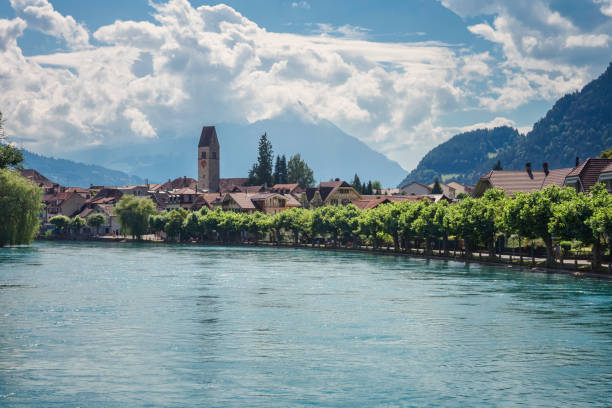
{"type": "Point", "coordinates": [36, 177]}
{"type": "Point", "coordinates": [63, 196]}
{"type": "Point", "coordinates": [291, 201]}
{"type": "Point", "coordinates": [242, 199]}
{"type": "Point", "coordinates": [607, 169]}
{"type": "Point", "coordinates": [588, 172]}
{"type": "Point", "coordinates": [180, 182]}
{"type": "Point", "coordinates": [515, 181]}
{"type": "Point", "coordinates": [227, 184]}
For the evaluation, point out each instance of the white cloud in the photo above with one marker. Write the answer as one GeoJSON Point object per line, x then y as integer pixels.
{"type": "Point", "coordinates": [300, 4]}
{"type": "Point", "coordinates": [347, 31]}
{"type": "Point", "coordinates": [545, 54]}
{"type": "Point", "coordinates": [40, 15]}
{"type": "Point", "coordinates": [606, 7]}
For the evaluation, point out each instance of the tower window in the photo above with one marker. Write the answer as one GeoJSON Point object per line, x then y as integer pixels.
{"type": "Point", "coordinates": [203, 155]}
{"type": "Point", "coordinates": [214, 155]}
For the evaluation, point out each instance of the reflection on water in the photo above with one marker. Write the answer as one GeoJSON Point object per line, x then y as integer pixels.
{"type": "Point", "coordinates": [110, 325]}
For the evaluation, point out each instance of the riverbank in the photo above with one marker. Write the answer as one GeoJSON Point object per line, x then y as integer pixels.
{"type": "Point", "coordinates": [578, 268]}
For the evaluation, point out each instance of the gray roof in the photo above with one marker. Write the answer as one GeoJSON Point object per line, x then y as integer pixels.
{"type": "Point", "coordinates": [208, 137]}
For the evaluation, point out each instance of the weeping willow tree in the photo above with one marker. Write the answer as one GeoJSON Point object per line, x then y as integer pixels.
{"type": "Point", "coordinates": [20, 205]}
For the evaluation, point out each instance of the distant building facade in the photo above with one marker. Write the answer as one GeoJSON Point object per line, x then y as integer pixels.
{"type": "Point", "coordinates": [208, 160]}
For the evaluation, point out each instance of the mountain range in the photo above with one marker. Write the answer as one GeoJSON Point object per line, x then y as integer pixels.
{"type": "Point", "coordinates": [328, 151]}
{"type": "Point", "coordinates": [578, 125]}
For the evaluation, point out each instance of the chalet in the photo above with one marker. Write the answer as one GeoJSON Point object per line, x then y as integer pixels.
{"type": "Point", "coordinates": [588, 173]}
{"type": "Point", "coordinates": [111, 223]}
{"type": "Point", "coordinates": [460, 188]}
{"type": "Point", "coordinates": [287, 189]}
{"type": "Point", "coordinates": [268, 203]}
{"type": "Point", "coordinates": [415, 188]}
{"type": "Point", "coordinates": [526, 181]}
{"type": "Point", "coordinates": [331, 193]}
{"type": "Point", "coordinates": [181, 198]}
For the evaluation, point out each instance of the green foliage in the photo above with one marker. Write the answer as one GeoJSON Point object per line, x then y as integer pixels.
{"type": "Point", "coordinates": [356, 184]}
{"type": "Point", "coordinates": [133, 215]}
{"type": "Point", "coordinates": [20, 206]}
{"type": "Point", "coordinates": [76, 223]}
{"type": "Point", "coordinates": [10, 157]}
{"type": "Point", "coordinates": [299, 172]}
{"type": "Point", "coordinates": [60, 222]}
{"type": "Point", "coordinates": [578, 125]}
{"type": "Point", "coordinates": [461, 196]}
{"type": "Point", "coordinates": [280, 170]}
{"type": "Point", "coordinates": [96, 220]}
{"type": "Point", "coordinates": [436, 189]}
{"type": "Point", "coordinates": [606, 154]}
{"type": "Point", "coordinates": [261, 172]}
{"type": "Point", "coordinates": [175, 220]}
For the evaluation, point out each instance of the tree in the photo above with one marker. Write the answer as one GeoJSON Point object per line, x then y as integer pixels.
{"type": "Point", "coordinates": [376, 187]}
{"type": "Point", "coordinates": [498, 166]}
{"type": "Point", "coordinates": [157, 222]}
{"type": "Point", "coordinates": [175, 220]}
{"type": "Point", "coordinates": [276, 175]}
{"type": "Point", "coordinates": [61, 223]}
{"type": "Point", "coordinates": [10, 157]}
{"type": "Point", "coordinates": [436, 189]}
{"type": "Point", "coordinates": [133, 215]}
{"type": "Point", "coordinates": [191, 226]}
{"type": "Point", "coordinates": [20, 206]}
{"type": "Point", "coordinates": [299, 172]}
{"type": "Point", "coordinates": [283, 175]}
{"type": "Point", "coordinates": [95, 221]}
{"type": "Point", "coordinates": [261, 172]}
{"type": "Point", "coordinates": [76, 223]}
{"type": "Point", "coordinates": [606, 154]}
{"type": "Point", "coordinates": [357, 184]}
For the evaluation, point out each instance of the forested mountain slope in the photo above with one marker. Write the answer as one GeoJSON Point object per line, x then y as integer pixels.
{"type": "Point", "coordinates": [578, 125]}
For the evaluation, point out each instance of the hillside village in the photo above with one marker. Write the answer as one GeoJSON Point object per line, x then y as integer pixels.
{"type": "Point", "coordinates": [233, 194]}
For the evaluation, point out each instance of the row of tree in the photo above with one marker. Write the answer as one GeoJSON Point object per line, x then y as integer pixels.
{"type": "Point", "coordinates": [369, 188]}
{"type": "Point", "coordinates": [551, 214]}
{"type": "Point", "coordinates": [283, 172]}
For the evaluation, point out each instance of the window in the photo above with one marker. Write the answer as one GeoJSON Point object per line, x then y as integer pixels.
{"type": "Point", "coordinates": [203, 155]}
{"type": "Point", "coordinates": [214, 155]}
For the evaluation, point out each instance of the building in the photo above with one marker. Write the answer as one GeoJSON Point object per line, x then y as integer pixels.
{"type": "Point", "coordinates": [415, 188]}
{"type": "Point", "coordinates": [373, 201]}
{"type": "Point", "coordinates": [447, 190]}
{"type": "Point", "coordinates": [335, 192]}
{"type": "Point", "coordinates": [208, 160]}
{"type": "Point", "coordinates": [41, 181]}
{"type": "Point", "coordinates": [294, 189]}
{"type": "Point", "coordinates": [268, 203]}
{"type": "Point", "coordinates": [588, 173]}
{"type": "Point", "coordinates": [460, 188]}
{"type": "Point", "coordinates": [525, 181]}
{"type": "Point", "coordinates": [62, 203]}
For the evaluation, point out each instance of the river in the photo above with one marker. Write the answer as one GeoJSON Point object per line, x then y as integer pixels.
{"type": "Point", "coordinates": [129, 325]}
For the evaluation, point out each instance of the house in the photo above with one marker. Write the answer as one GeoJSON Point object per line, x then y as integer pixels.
{"type": "Point", "coordinates": [83, 192]}
{"type": "Point", "coordinates": [62, 203]}
{"type": "Point", "coordinates": [588, 173]}
{"type": "Point", "coordinates": [181, 198]}
{"type": "Point", "coordinates": [238, 202]}
{"type": "Point", "coordinates": [390, 191]}
{"type": "Point", "coordinates": [335, 192]}
{"type": "Point", "coordinates": [287, 189]}
{"type": "Point", "coordinates": [373, 201]}
{"type": "Point", "coordinates": [111, 223]}
{"type": "Point", "coordinates": [606, 177]}
{"type": "Point", "coordinates": [41, 181]}
{"type": "Point", "coordinates": [177, 183]}
{"type": "Point", "coordinates": [227, 185]}
{"type": "Point", "coordinates": [415, 188]}
{"type": "Point", "coordinates": [140, 190]}
{"type": "Point", "coordinates": [447, 190]}
{"type": "Point", "coordinates": [106, 195]}
{"type": "Point", "coordinates": [460, 188]}
{"type": "Point", "coordinates": [268, 203]}
{"type": "Point", "coordinates": [525, 181]}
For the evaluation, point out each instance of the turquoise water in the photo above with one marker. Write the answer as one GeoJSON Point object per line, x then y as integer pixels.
{"type": "Point", "coordinates": [122, 325]}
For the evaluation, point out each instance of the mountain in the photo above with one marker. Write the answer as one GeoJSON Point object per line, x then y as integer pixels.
{"type": "Point", "coordinates": [328, 151]}
{"type": "Point", "coordinates": [69, 173]}
{"type": "Point", "coordinates": [578, 125]}
{"type": "Point", "coordinates": [458, 158]}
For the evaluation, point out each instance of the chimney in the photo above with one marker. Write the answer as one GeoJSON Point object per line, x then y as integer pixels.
{"type": "Point", "coordinates": [545, 168]}
{"type": "Point", "coordinates": [577, 161]}
{"type": "Point", "coordinates": [147, 181]}
{"type": "Point", "coordinates": [528, 169]}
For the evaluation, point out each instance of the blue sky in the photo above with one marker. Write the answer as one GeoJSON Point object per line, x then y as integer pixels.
{"type": "Point", "coordinates": [403, 76]}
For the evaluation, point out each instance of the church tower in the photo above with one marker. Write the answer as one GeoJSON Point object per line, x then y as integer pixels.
{"type": "Point", "coordinates": [208, 160]}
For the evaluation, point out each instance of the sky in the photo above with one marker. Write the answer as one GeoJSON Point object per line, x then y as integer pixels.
{"type": "Point", "coordinates": [401, 75]}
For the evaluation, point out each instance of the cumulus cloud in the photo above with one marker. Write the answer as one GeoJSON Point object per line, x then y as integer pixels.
{"type": "Point", "coordinates": [545, 54]}
{"type": "Point", "coordinates": [606, 7]}
{"type": "Point", "coordinates": [40, 15]}
{"type": "Point", "coordinates": [210, 64]}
